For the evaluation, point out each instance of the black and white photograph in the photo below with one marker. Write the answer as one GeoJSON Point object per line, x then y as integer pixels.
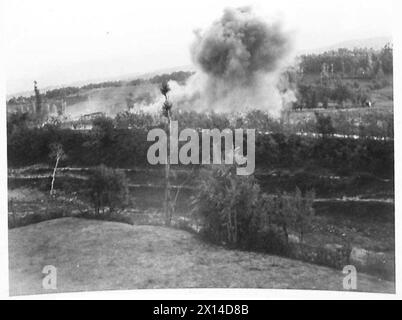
{"type": "Point", "coordinates": [198, 145]}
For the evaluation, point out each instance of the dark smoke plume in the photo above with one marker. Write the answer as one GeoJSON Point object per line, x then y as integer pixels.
{"type": "Point", "coordinates": [239, 60]}
{"type": "Point", "coordinates": [239, 46]}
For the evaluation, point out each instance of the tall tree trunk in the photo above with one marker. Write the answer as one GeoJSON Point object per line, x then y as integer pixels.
{"type": "Point", "coordinates": [167, 205]}
{"type": "Point", "coordinates": [54, 176]}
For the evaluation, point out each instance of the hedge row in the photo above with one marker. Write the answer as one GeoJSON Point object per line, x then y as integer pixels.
{"type": "Point", "coordinates": [127, 148]}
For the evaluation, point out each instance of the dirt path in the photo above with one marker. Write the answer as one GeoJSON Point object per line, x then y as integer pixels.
{"type": "Point", "coordinates": [95, 255]}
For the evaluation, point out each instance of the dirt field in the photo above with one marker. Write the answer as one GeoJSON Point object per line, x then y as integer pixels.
{"type": "Point", "coordinates": [95, 255]}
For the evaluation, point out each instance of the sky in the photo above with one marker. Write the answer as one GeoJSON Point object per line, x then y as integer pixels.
{"type": "Point", "coordinates": [69, 41]}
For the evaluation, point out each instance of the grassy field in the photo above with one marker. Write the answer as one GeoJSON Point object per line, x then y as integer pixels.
{"type": "Point", "coordinates": [368, 225]}
{"type": "Point", "coordinates": [95, 255]}
{"type": "Point", "coordinates": [169, 258]}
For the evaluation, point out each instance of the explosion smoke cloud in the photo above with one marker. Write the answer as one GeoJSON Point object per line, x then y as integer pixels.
{"type": "Point", "coordinates": [239, 60]}
{"type": "Point", "coordinates": [239, 46]}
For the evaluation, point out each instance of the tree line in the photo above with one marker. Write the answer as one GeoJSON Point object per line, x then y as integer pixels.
{"type": "Point", "coordinates": [120, 147]}
{"type": "Point", "coordinates": [354, 63]}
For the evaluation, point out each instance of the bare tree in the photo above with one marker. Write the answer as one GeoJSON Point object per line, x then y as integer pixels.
{"type": "Point", "coordinates": [57, 153]}
{"type": "Point", "coordinates": [166, 110]}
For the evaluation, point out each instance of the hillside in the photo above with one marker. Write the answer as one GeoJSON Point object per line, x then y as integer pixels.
{"type": "Point", "coordinates": [375, 43]}
{"type": "Point", "coordinates": [94, 255]}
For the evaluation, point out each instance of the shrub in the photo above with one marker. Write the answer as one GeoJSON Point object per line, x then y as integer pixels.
{"type": "Point", "coordinates": [107, 189]}
{"type": "Point", "coordinates": [53, 208]}
{"type": "Point", "coordinates": [324, 124]}
{"type": "Point", "coordinates": [290, 212]}
{"type": "Point", "coordinates": [226, 204]}
{"type": "Point", "coordinates": [233, 211]}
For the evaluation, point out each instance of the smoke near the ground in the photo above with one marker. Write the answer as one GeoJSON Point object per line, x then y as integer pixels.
{"type": "Point", "coordinates": [239, 59]}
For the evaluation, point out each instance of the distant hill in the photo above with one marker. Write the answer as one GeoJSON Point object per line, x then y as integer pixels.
{"type": "Point", "coordinates": [124, 77]}
{"type": "Point", "coordinates": [375, 43]}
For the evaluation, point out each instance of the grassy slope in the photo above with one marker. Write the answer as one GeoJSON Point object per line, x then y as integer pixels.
{"type": "Point", "coordinates": [95, 255]}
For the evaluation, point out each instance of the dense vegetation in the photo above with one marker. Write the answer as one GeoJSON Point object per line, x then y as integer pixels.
{"type": "Point", "coordinates": [119, 143]}
{"type": "Point", "coordinates": [234, 211]}
{"type": "Point", "coordinates": [342, 76]}
{"type": "Point", "coordinates": [360, 63]}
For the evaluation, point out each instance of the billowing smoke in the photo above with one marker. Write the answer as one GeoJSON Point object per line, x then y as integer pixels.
{"type": "Point", "coordinates": [239, 60]}
{"type": "Point", "coordinates": [239, 46]}
{"type": "Point", "coordinates": [239, 63]}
